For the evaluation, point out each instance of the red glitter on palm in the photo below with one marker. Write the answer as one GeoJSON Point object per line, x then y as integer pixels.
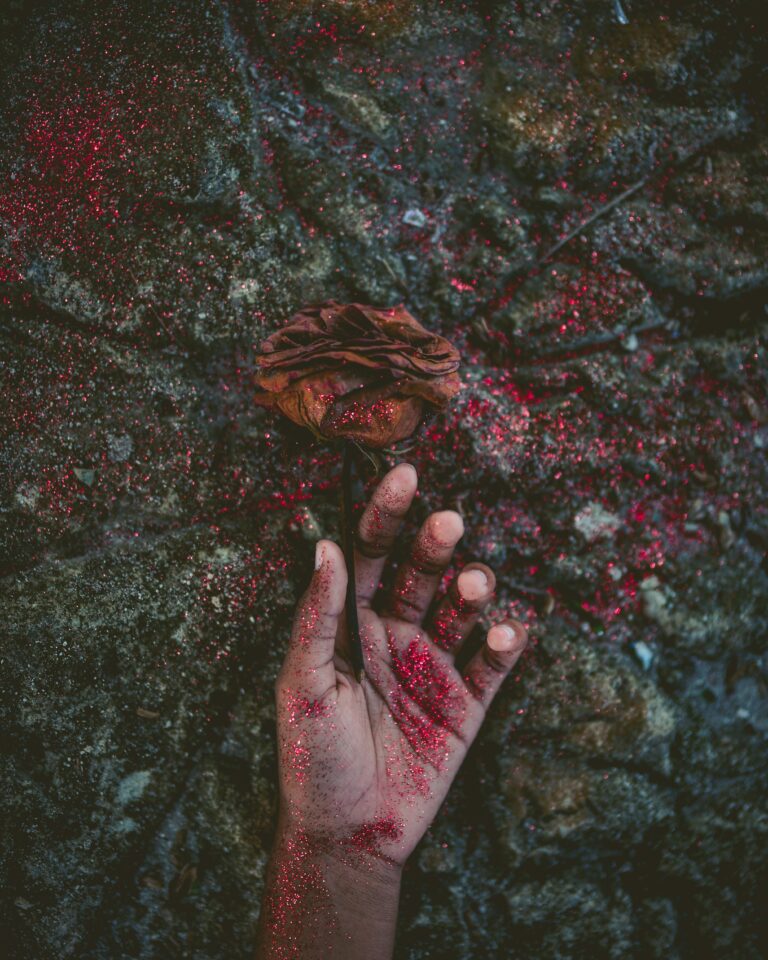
{"type": "Point", "coordinates": [365, 766]}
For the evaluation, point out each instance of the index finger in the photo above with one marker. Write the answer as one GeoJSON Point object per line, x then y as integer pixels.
{"type": "Point", "coordinates": [379, 526]}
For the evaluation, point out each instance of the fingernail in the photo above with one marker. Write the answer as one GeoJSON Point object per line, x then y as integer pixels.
{"type": "Point", "coordinates": [319, 554]}
{"type": "Point", "coordinates": [501, 638]}
{"type": "Point", "coordinates": [473, 584]}
{"type": "Point", "coordinates": [447, 527]}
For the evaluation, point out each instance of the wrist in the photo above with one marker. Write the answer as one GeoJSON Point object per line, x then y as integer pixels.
{"type": "Point", "coordinates": [329, 893]}
{"type": "Point", "coordinates": [355, 861]}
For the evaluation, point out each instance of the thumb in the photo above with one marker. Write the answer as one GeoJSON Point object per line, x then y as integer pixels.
{"type": "Point", "coordinates": [309, 660]}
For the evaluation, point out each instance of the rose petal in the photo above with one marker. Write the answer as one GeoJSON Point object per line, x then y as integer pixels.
{"type": "Point", "coordinates": [355, 371]}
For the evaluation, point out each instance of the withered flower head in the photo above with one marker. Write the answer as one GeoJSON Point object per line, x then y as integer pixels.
{"type": "Point", "coordinates": [353, 372]}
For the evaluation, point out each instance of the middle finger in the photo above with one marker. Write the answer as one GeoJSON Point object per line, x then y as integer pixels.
{"type": "Point", "coordinates": [419, 576]}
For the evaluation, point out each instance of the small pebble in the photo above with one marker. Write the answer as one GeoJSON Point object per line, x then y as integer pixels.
{"type": "Point", "coordinates": [643, 653]}
{"type": "Point", "coordinates": [414, 218]}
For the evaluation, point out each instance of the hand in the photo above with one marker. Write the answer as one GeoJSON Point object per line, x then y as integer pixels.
{"type": "Point", "coordinates": [365, 766]}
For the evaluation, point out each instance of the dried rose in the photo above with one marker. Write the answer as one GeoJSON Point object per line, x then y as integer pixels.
{"type": "Point", "coordinates": [353, 372]}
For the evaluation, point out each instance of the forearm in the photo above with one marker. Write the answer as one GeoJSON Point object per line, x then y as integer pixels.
{"type": "Point", "coordinates": [327, 898]}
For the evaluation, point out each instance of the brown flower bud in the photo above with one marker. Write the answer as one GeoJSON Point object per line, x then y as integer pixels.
{"type": "Point", "coordinates": [353, 372]}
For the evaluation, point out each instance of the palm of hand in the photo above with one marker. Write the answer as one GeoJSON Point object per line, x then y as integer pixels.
{"type": "Point", "coordinates": [368, 764]}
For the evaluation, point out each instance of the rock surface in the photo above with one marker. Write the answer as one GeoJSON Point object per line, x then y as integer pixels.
{"type": "Point", "coordinates": [580, 204]}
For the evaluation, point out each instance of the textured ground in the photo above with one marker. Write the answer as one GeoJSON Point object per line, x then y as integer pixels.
{"type": "Point", "coordinates": [173, 184]}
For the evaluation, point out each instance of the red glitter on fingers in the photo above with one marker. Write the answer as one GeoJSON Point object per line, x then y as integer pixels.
{"type": "Point", "coordinates": [419, 578]}
{"type": "Point", "coordinates": [307, 617]}
{"type": "Point", "coordinates": [311, 612]}
{"type": "Point", "coordinates": [457, 613]}
{"type": "Point", "coordinates": [427, 704]}
{"type": "Point", "coordinates": [478, 685]}
{"type": "Point", "coordinates": [446, 627]}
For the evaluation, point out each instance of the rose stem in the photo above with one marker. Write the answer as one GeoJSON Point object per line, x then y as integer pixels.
{"type": "Point", "coordinates": [348, 536]}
